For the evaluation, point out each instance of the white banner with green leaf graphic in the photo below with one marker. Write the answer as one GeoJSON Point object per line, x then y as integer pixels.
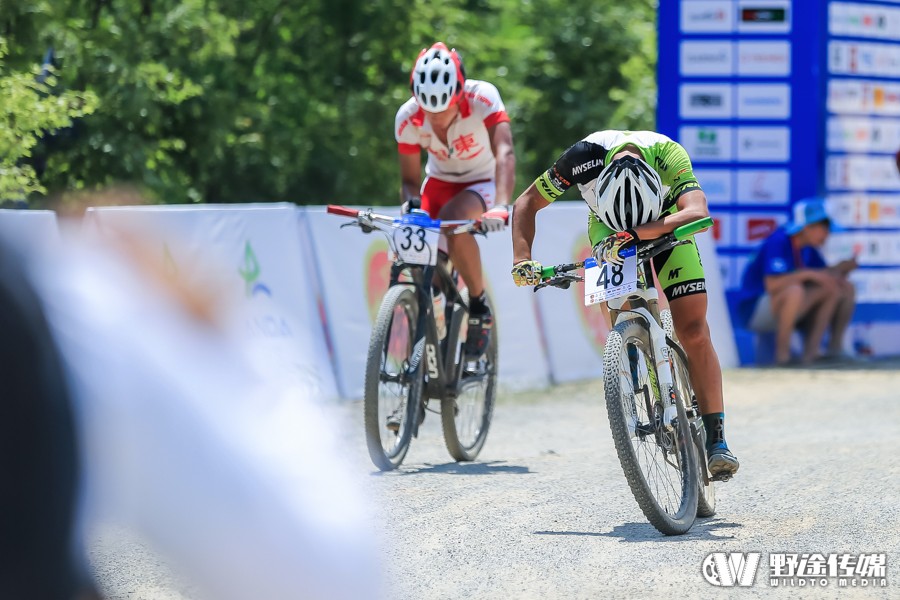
{"type": "Point", "coordinates": [252, 257]}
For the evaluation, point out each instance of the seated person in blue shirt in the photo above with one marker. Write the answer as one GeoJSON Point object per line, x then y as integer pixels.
{"type": "Point", "coordinates": [788, 284]}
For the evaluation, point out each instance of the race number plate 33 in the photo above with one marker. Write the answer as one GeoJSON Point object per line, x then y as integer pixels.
{"type": "Point", "coordinates": [416, 245]}
{"type": "Point", "coordinates": [607, 281]}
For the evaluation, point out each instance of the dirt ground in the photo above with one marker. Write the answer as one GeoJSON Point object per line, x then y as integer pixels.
{"type": "Point", "coordinates": [546, 513]}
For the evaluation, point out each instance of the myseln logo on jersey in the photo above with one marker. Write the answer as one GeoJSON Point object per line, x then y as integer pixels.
{"type": "Point", "coordinates": [732, 568]}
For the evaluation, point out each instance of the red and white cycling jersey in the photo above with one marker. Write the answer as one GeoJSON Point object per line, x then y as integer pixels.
{"type": "Point", "coordinates": [469, 156]}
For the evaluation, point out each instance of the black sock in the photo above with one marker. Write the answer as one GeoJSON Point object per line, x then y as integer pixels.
{"type": "Point", "coordinates": [477, 304]}
{"type": "Point", "coordinates": [715, 429]}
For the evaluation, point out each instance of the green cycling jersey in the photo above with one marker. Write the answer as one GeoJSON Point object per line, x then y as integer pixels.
{"type": "Point", "coordinates": [680, 270]}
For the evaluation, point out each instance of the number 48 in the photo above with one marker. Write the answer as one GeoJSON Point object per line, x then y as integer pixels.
{"type": "Point", "coordinates": [605, 281]}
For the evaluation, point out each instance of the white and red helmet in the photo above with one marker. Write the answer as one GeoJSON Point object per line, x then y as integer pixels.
{"type": "Point", "coordinates": [437, 78]}
{"type": "Point", "coordinates": [628, 193]}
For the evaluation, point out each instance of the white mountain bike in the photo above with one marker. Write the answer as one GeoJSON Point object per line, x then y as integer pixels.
{"type": "Point", "coordinates": [653, 412]}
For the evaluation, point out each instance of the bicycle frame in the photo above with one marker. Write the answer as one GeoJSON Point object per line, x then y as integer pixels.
{"type": "Point", "coordinates": [441, 366]}
{"type": "Point", "coordinates": [644, 308]}
{"type": "Point", "coordinates": [443, 369]}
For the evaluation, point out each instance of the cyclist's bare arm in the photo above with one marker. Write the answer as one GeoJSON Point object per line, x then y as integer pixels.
{"type": "Point", "coordinates": [502, 145]}
{"type": "Point", "coordinates": [691, 207]}
{"type": "Point", "coordinates": [410, 175]}
{"type": "Point", "coordinates": [523, 218]}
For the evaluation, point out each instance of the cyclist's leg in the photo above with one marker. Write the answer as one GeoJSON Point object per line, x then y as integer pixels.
{"type": "Point", "coordinates": [463, 249]}
{"type": "Point", "coordinates": [681, 274]}
{"type": "Point", "coordinates": [470, 203]}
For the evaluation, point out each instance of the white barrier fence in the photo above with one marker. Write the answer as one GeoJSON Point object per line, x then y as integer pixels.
{"type": "Point", "coordinates": [311, 290]}
{"type": "Point", "coordinates": [29, 230]}
{"type": "Point", "coordinates": [254, 255]}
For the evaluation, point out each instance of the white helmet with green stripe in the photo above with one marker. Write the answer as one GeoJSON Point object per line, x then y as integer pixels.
{"type": "Point", "coordinates": [628, 193]}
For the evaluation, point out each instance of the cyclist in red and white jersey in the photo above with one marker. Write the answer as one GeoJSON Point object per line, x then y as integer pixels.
{"type": "Point", "coordinates": [463, 126]}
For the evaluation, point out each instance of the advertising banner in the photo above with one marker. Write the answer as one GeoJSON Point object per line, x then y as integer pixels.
{"type": "Point", "coordinates": [252, 254]}
{"type": "Point", "coordinates": [865, 210]}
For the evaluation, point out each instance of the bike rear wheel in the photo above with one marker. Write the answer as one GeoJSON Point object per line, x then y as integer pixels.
{"type": "Point", "coordinates": [660, 464]}
{"type": "Point", "coordinates": [466, 419]}
{"type": "Point", "coordinates": [393, 385]}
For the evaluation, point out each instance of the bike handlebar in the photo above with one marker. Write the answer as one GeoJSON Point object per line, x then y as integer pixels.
{"type": "Point", "coordinates": [366, 219]}
{"type": "Point", "coordinates": [558, 275]}
{"type": "Point", "coordinates": [343, 211]}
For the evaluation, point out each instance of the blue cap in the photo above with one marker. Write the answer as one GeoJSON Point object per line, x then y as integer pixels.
{"type": "Point", "coordinates": [807, 212]}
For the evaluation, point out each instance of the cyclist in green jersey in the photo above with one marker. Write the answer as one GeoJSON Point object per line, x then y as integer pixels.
{"type": "Point", "coordinates": [639, 185]}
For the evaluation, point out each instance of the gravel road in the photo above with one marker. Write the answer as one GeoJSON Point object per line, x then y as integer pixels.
{"type": "Point", "coordinates": [546, 511]}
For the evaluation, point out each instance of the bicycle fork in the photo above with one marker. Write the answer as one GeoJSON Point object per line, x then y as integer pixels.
{"type": "Point", "coordinates": [660, 373]}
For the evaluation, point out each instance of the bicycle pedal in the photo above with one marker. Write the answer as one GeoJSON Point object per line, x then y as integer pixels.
{"type": "Point", "coordinates": [721, 477]}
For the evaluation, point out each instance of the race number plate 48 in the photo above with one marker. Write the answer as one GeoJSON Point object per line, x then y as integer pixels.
{"type": "Point", "coordinates": [416, 245]}
{"type": "Point", "coordinates": [607, 281]}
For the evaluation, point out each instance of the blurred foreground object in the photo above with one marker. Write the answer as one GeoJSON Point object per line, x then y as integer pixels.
{"type": "Point", "coordinates": [38, 454]}
{"type": "Point", "coordinates": [231, 476]}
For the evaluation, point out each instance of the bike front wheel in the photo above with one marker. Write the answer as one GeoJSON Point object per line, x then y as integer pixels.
{"type": "Point", "coordinates": [393, 385]}
{"type": "Point", "coordinates": [466, 418]}
{"type": "Point", "coordinates": [659, 462]}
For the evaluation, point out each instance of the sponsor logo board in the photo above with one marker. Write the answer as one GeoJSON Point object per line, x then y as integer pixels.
{"type": "Point", "coordinates": [707, 16]}
{"type": "Point", "coordinates": [865, 210]}
{"type": "Point", "coordinates": [763, 186]}
{"type": "Point", "coordinates": [723, 229]}
{"type": "Point", "coordinates": [706, 101]}
{"type": "Point", "coordinates": [864, 20]}
{"type": "Point", "coordinates": [871, 249]}
{"type": "Point", "coordinates": [863, 134]}
{"type": "Point", "coordinates": [876, 286]}
{"type": "Point", "coordinates": [763, 144]}
{"type": "Point", "coordinates": [763, 59]}
{"type": "Point", "coordinates": [755, 16]}
{"type": "Point", "coordinates": [716, 183]}
{"type": "Point", "coordinates": [864, 58]}
{"type": "Point", "coordinates": [847, 96]}
{"type": "Point", "coordinates": [707, 143]}
{"type": "Point", "coordinates": [753, 228]}
{"type": "Point", "coordinates": [861, 172]}
{"type": "Point", "coordinates": [771, 101]}
{"type": "Point", "coordinates": [705, 58]}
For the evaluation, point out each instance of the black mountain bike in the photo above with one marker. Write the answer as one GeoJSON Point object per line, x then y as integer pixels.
{"type": "Point", "coordinates": [653, 412]}
{"type": "Point", "coordinates": [409, 362]}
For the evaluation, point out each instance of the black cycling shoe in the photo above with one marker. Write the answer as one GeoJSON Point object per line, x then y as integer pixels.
{"type": "Point", "coordinates": [722, 463]}
{"type": "Point", "coordinates": [479, 333]}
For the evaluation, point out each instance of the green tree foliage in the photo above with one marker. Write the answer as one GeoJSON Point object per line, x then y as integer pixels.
{"type": "Point", "coordinates": [262, 100]}
{"type": "Point", "coordinates": [28, 111]}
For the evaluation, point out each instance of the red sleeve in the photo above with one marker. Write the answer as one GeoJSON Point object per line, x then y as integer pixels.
{"type": "Point", "coordinates": [495, 118]}
{"type": "Point", "coordinates": [408, 148]}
